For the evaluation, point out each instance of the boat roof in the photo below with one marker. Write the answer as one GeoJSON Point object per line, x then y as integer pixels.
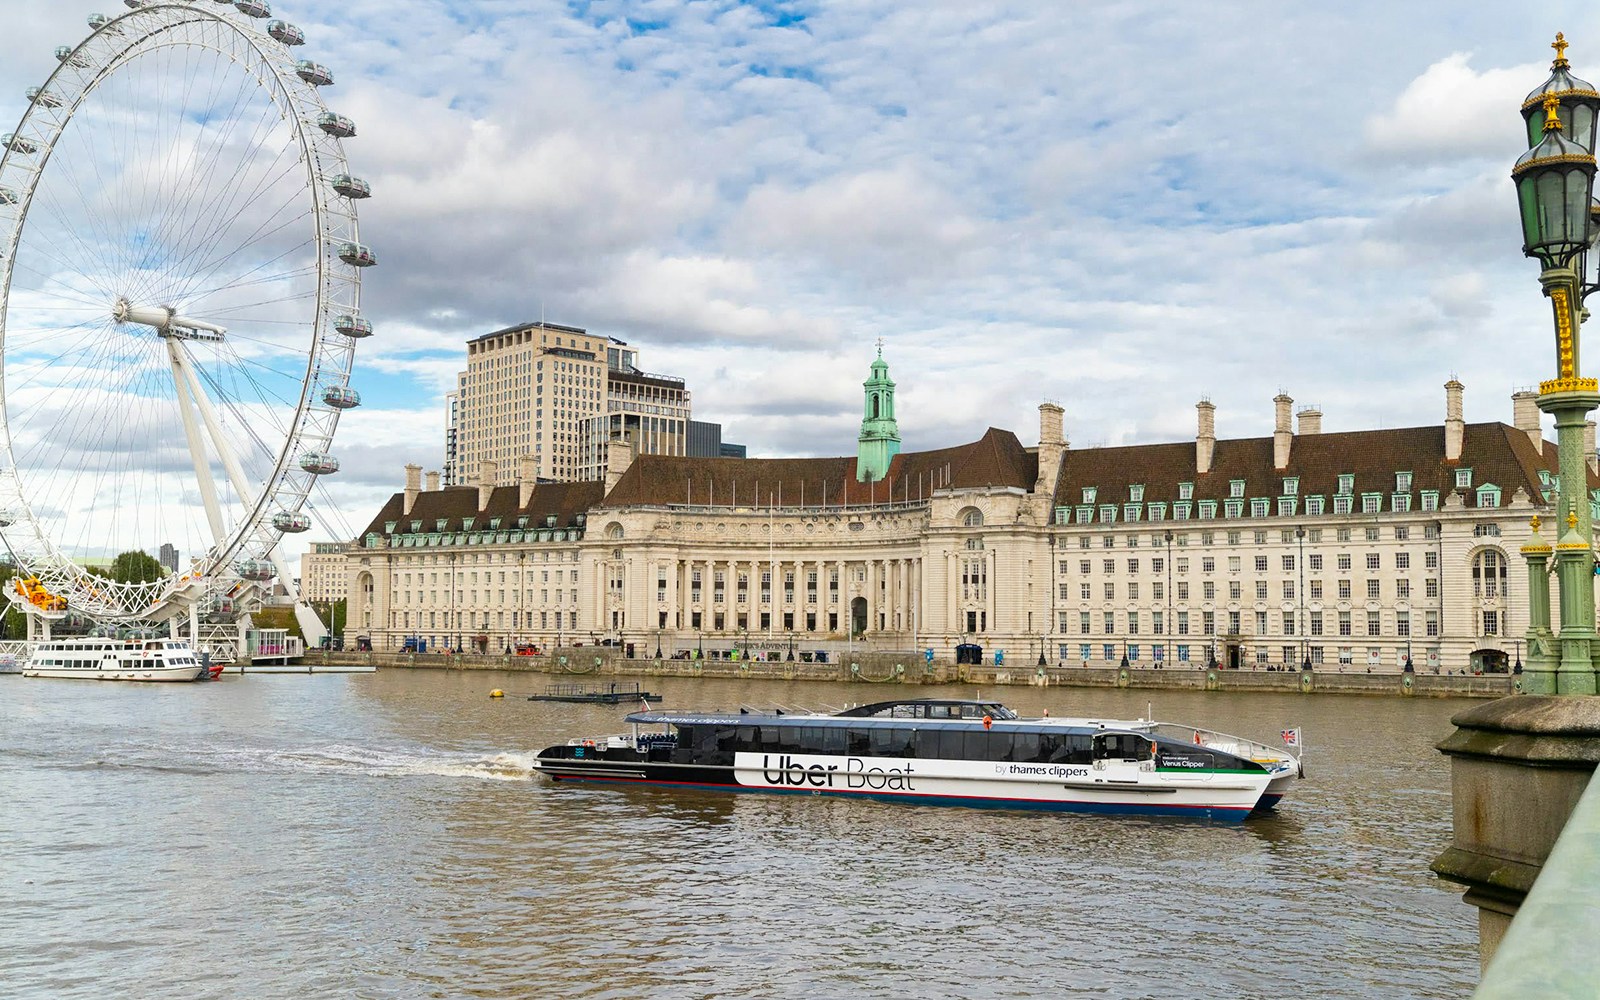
{"type": "Point", "coordinates": [906, 713]}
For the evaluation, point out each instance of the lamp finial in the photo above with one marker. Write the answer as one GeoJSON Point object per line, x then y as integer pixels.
{"type": "Point", "coordinates": [1560, 45]}
{"type": "Point", "coordinates": [1534, 524]}
{"type": "Point", "coordinates": [1552, 120]}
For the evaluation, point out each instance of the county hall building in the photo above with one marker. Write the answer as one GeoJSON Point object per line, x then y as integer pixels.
{"type": "Point", "coordinates": [1352, 550]}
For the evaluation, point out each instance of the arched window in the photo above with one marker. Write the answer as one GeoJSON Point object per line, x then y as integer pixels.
{"type": "Point", "coordinates": [1489, 573]}
{"type": "Point", "coordinates": [972, 517]}
{"type": "Point", "coordinates": [874, 407]}
{"type": "Point", "coordinates": [614, 530]}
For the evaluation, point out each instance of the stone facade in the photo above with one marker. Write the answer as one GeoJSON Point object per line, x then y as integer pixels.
{"type": "Point", "coordinates": [1350, 550]}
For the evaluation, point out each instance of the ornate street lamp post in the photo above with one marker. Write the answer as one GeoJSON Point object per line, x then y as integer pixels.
{"type": "Point", "coordinates": [1305, 647]}
{"type": "Point", "coordinates": [1555, 188]}
{"type": "Point", "coordinates": [1172, 625]}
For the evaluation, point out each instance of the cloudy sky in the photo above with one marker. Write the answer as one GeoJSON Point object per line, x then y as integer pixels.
{"type": "Point", "coordinates": [1121, 207]}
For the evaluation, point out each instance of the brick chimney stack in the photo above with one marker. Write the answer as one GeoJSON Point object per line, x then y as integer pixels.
{"type": "Point", "coordinates": [1205, 443]}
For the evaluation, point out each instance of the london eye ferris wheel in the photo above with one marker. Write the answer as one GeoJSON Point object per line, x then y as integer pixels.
{"type": "Point", "coordinates": [179, 305]}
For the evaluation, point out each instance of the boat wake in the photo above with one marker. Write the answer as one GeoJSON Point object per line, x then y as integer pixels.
{"type": "Point", "coordinates": [393, 763]}
{"type": "Point", "coordinates": [330, 759]}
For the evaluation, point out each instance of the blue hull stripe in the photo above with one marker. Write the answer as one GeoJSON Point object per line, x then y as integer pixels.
{"type": "Point", "coordinates": [1044, 805]}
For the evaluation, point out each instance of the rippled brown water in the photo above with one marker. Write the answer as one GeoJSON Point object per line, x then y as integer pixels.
{"type": "Point", "coordinates": [381, 836]}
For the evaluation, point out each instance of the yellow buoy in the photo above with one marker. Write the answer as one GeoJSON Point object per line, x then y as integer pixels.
{"type": "Point", "coordinates": [497, 693]}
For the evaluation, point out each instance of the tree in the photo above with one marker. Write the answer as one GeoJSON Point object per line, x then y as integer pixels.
{"type": "Point", "coordinates": [136, 567]}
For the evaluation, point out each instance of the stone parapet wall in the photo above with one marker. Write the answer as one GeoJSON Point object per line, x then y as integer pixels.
{"type": "Point", "coordinates": [884, 668]}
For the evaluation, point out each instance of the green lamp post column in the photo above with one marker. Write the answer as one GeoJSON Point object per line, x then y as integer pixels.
{"type": "Point", "coordinates": [1555, 186]}
{"type": "Point", "coordinates": [1539, 676]}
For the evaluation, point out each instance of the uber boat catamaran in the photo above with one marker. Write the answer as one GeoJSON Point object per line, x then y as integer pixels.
{"type": "Point", "coordinates": [114, 659]}
{"type": "Point", "coordinates": [942, 752]}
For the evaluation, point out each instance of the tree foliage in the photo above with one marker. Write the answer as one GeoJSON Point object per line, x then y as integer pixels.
{"type": "Point", "coordinates": [136, 567]}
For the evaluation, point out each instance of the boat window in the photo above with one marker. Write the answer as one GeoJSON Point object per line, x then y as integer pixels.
{"type": "Point", "coordinates": [904, 711]}
{"type": "Point", "coordinates": [975, 745]}
{"type": "Point", "coordinates": [813, 739]}
{"type": "Point", "coordinates": [893, 742]}
{"type": "Point", "coordinates": [858, 743]}
{"type": "Point", "coordinates": [1121, 746]}
{"type": "Point", "coordinates": [1025, 746]}
{"type": "Point", "coordinates": [938, 711]}
{"type": "Point", "coordinates": [789, 739]}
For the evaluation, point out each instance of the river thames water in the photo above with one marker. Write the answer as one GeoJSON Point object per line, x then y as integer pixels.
{"type": "Point", "coordinates": [381, 835]}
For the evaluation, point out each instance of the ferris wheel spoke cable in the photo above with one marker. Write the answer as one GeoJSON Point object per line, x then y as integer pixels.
{"type": "Point", "coordinates": [229, 212]}
{"type": "Point", "coordinates": [193, 234]}
{"type": "Point", "coordinates": [180, 207]}
{"type": "Point", "coordinates": [208, 269]}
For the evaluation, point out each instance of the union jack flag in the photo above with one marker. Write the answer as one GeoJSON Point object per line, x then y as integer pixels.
{"type": "Point", "coordinates": [1291, 737]}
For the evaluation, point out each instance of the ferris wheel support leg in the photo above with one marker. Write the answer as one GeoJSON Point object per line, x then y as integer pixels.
{"type": "Point", "coordinates": [191, 433]}
{"type": "Point", "coordinates": [203, 402]}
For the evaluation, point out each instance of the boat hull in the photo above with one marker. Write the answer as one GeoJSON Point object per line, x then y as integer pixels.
{"type": "Point", "coordinates": [1230, 801]}
{"type": "Point", "coordinates": [135, 673]}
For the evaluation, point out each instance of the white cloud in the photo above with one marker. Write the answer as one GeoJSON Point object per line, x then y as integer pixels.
{"type": "Point", "coordinates": [1453, 111]}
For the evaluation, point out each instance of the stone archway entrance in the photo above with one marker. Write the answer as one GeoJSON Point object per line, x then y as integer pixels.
{"type": "Point", "coordinates": [858, 615]}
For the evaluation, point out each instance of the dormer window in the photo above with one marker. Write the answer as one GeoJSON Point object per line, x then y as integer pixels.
{"type": "Point", "coordinates": [1291, 486]}
{"type": "Point", "coordinates": [1186, 491]}
{"type": "Point", "coordinates": [1088, 494]}
{"type": "Point", "coordinates": [1463, 479]}
{"type": "Point", "coordinates": [1347, 484]}
{"type": "Point", "coordinates": [443, 524]}
{"type": "Point", "coordinates": [1488, 495]}
{"type": "Point", "coordinates": [1402, 482]}
{"type": "Point", "coordinates": [1136, 492]}
{"type": "Point", "coordinates": [1236, 488]}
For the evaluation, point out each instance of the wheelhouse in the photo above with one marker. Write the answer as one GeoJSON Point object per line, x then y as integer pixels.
{"type": "Point", "coordinates": [337, 126]}
{"type": "Point", "coordinates": [286, 33]}
{"type": "Point", "coordinates": [351, 187]}
{"type": "Point", "coordinates": [341, 397]}
{"type": "Point", "coordinates": [315, 74]}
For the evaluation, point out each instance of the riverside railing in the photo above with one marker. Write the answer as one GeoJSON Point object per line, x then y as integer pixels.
{"type": "Point", "coordinates": [1548, 950]}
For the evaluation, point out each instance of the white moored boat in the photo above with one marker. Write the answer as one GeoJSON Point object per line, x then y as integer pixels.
{"type": "Point", "coordinates": [107, 659]}
{"type": "Point", "coordinates": [943, 752]}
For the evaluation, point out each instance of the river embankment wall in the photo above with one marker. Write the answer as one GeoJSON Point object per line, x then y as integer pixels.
{"type": "Point", "coordinates": [877, 668]}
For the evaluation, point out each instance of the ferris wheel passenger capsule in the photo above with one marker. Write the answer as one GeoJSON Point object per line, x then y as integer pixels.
{"type": "Point", "coordinates": [286, 33]}
{"type": "Point", "coordinates": [291, 521]}
{"type": "Point", "coordinates": [315, 74]}
{"type": "Point", "coordinates": [352, 326]}
{"type": "Point", "coordinates": [351, 187]}
{"type": "Point", "coordinates": [253, 8]}
{"type": "Point", "coordinates": [357, 255]}
{"type": "Point", "coordinates": [341, 397]}
{"type": "Point", "coordinates": [17, 144]}
{"type": "Point", "coordinates": [98, 21]}
{"type": "Point", "coordinates": [43, 97]}
{"type": "Point", "coordinates": [254, 569]}
{"type": "Point", "coordinates": [134, 4]}
{"type": "Point", "coordinates": [7, 196]}
{"type": "Point", "coordinates": [337, 126]}
{"type": "Point", "coordinates": [319, 463]}
{"type": "Point", "coordinates": [67, 54]}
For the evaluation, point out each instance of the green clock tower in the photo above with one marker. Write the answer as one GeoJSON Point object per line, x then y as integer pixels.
{"type": "Point", "coordinates": [880, 435]}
